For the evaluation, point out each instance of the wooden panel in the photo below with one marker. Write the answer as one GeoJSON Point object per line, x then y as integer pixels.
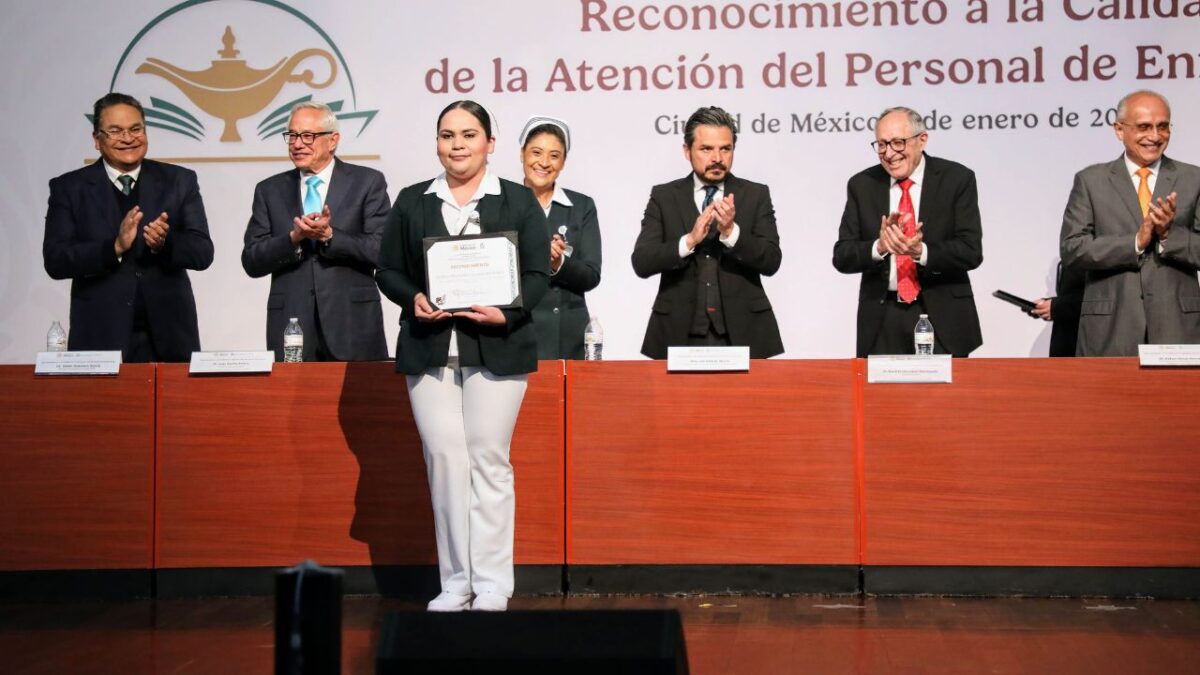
{"type": "Point", "coordinates": [323, 461]}
{"type": "Point", "coordinates": [76, 470]}
{"type": "Point", "coordinates": [734, 468]}
{"type": "Point", "coordinates": [1052, 462]}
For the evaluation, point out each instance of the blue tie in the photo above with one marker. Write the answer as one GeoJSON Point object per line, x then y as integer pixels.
{"type": "Point", "coordinates": [710, 191]}
{"type": "Point", "coordinates": [312, 198]}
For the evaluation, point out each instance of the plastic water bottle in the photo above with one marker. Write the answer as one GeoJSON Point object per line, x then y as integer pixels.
{"type": "Point", "coordinates": [293, 342]}
{"type": "Point", "coordinates": [56, 339]}
{"type": "Point", "coordinates": [593, 341]}
{"type": "Point", "coordinates": [923, 336]}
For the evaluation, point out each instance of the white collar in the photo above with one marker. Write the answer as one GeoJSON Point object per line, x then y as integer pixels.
{"type": "Point", "coordinates": [918, 174]}
{"type": "Point", "coordinates": [324, 174]}
{"type": "Point", "coordinates": [113, 174]}
{"type": "Point", "coordinates": [560, 196]}
{"type": "Point", "coordinates": [490, 185]}
{"type": "Point", "coordinates": [1132, 167]}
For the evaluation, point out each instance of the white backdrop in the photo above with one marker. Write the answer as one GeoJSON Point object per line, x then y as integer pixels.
{"type": "Point", "coordinates": [60, 56]}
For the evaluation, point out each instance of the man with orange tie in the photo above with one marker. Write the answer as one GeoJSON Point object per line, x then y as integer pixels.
{"type": "Point", "coordinates": [911, 228]}
{"type": "Point", "coordinates": [1131, 228]}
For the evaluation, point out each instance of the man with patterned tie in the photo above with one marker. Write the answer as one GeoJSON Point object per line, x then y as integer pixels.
{"type": "Point", "coordinates": [911, 228]}
{"type": "Point", "coordinates": [711, 236]}
{"type": "Point", "coordinates": [125, 230]}
{"type": "Point", "coordinates": [316, 230]}
{"type": "Point", "coordinates": [1131, 228]}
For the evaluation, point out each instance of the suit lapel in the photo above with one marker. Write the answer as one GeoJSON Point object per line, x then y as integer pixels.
{"type": "Point", "coordinates": [880, 197]}
{"type": "Point", "coordinates": [559, 215]}
{"type": "Point", "coordinates": [100, 191]}
{"type": "Point", "coordinates": [150, 195]}
{"type": "Point", "coordinates": [1165, 182]}
{"type": "Point", "coordinates": [292, 196]}
{"type": "Point", "coordinates": [489, 212]}
{"type": "Point", "coordinates": [340, 184]}
{"type": "Point", "coordinates": [686, 204]}
{"type": "Point", "coordinates": [1123, 188]}
{"type": "Point", "coordinates": [431, 209]}
{"type": "Point", "coordinates": [933, 181]}
{"type": "Point", "coordinates": [150, 201]}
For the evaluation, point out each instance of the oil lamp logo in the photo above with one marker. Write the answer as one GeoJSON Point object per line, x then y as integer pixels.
{"type": "Point", "coordinates": [232, 88]}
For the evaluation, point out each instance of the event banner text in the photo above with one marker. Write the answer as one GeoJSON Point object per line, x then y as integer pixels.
{"type": "Point", "coordinates": [706, 69]}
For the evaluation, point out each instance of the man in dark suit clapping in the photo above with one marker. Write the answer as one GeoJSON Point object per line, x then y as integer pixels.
{"type": "Point", "coordinates": [316, 230]}
{"type": "Point", "coordinates": [711, 236]}
{"type": "Point", "coordinates": [911, 228]}
{"type": "Point", "coordinates": [125, 230]}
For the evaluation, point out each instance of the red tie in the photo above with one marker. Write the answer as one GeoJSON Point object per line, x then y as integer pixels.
{"type": "Point", "coordinates": [907, 286]}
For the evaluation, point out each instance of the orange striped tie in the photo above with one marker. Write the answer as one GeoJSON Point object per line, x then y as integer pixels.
{"type": "Point", "coordinates": [1144, 190]}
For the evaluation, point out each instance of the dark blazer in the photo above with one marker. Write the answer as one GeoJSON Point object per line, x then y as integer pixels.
{"type": "Point", "coordinates": [949, 212]}
{"type": "Point", "coordinates": [1064, 311]}
{"type": "Point", "coordinates": [82, 222]}
{"type": "Point", "coordinates": [340, 275]}
{"type": "Point", "coordinates": [562, 315]}
{"type": "Point", "coordinates": [510, 349]}
{"type": "Point", "coordinates": [749, 318]}
{"type": "Point", "coordinates": [1130, 299]}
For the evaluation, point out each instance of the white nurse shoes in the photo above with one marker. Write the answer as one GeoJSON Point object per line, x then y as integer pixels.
{"type": "Point", "coordinates": [489, 602]}
{"type": "Point", "coordinates": [449, 602]}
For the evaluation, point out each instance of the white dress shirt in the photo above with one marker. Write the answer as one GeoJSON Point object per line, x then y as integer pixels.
{"type": "Point", "coordinates": [894, 195]}
{"type": "Point", "coordinates": [459, 222]}
{"type": "Point", "coordinates": [698, 194]}
{"type": "Point", "coordinates": [1151, 180]}
{"type": "Point", "coordinates": [559, 196]}
{"type": "Point", "coordinates": [326, 176]}
{"type": "Point", "coordinates": [114, 175]}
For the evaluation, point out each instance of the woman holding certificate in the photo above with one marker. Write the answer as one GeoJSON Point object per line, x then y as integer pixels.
{"type": "Point", "coordinates": [562, 315]}
{"type": "Point", "coordinates": [466, 367]}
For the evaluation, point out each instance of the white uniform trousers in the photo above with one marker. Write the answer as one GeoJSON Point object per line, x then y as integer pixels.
{"type": "Point", "coordinates": [466, 418]}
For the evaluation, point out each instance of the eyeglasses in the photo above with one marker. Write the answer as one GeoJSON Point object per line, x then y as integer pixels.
{"type": "Point", "coordinates": [1163, 128]}
{"type": "Point", "coordinates": [117, 133]}
{"type": "Point", "coordinates": [307, 137]}
{"type": "Point", "coordinates": [896, 144]}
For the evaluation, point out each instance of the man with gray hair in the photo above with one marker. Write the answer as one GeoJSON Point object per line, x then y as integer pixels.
{"type": "Point", "coordinates": [710, 251]}
{"type": "Point", "coordinates": [1131, 229]}
{"type": "Point", "coordinates": [316, 230]}
{"type": "Point", "coordinates": [911, 228]}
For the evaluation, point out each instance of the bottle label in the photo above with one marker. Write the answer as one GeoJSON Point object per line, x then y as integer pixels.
{"type": "Point", "coordinates": [293, 340]}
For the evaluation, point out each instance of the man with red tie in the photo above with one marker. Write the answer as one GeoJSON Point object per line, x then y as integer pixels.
{"type": "Point", "coordinates": [911, 229]}
{"type": "Point", "coordinates": [1132, 229]}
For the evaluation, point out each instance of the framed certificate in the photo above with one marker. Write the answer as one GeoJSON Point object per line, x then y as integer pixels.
{"type": "Point", "coordinates": [479, 269]}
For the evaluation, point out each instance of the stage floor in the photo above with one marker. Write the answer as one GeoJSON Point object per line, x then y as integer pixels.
{"type": "Point", "coordinates": [725, 634]}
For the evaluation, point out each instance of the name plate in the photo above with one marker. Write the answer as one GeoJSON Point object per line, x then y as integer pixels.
{"type": "Point", "coordinates": [913, 369]}
{"type": "Point", "coordinates": [1169, 355]}
{"type": "Point", "coordinates": [707, 359]}
{"type": "Point", "coordinates": [210, 363]}
{"type": "Point", "coordinates": [77, 363]}
{"type": "Point", "coordinates": [479, 269]}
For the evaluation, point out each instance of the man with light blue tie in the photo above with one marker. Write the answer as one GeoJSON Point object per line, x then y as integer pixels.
{"type": "Point", "coordinates": [316, 230]}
